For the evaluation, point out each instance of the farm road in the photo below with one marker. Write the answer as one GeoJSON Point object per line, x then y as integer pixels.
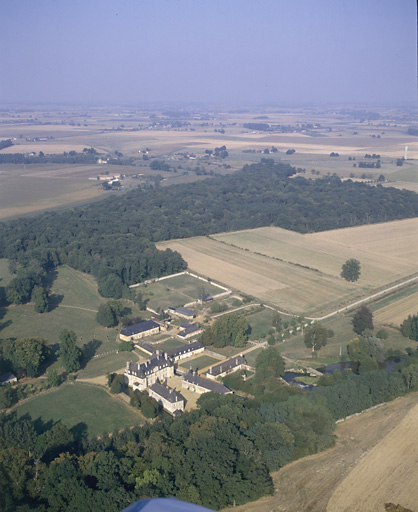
{"type": "Point", "coordinates": [366, 299]}
{"type": "Point", "coordinates": [78, 307]}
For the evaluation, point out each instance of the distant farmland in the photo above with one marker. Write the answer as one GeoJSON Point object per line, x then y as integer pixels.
{"type": "Point", "coordinates": [300, 273]}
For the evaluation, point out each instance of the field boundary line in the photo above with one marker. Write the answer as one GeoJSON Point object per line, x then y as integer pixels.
{"type": "Point", "coordinates": [77, 307]}
{"type": "Point", "coordinates": [366, 299]}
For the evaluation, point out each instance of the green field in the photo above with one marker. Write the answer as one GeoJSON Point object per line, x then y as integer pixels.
{"type": "Point", "coordinates": [171, 343]}
{"type": "Point", "coordinates": [108, 363]}
{"type": "Point", "coordinates": [199, 362]}
{"type": "Point", "coordinates": [260, 323]}
{"type": "Point", "coordinates": [74, 303]}
{"type": "Point", "coordinates": [176, 291]}
{"type": "Point", "coordinates": [407, 173]}
{"type": "Point", "coordinates": [252, 356]}
{"type": "Point", "coordinates": [81, 403]}
{"type": "Point", "coordinates": [294, 347]}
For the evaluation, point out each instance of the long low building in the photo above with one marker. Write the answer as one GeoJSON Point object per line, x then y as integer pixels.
{"type": "Point", "coordinates": [140, 330]}
{"type": "Point", "coordinates": [185, 351]}
{"type": "Point", "coordinates": [171, 400]}
{"type": "Point", "coordinates": [187, 313]}
{"type": "Point", "coordinates": [198, 384]}
{"type": "Point", "coordinates": [227, 367]}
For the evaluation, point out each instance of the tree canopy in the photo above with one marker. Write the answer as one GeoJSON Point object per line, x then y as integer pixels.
{"type": "Point", "coordinates": [362, 320]}
{"type": "Point", "coordinates": [409, 327]}
{"type": "Point", "coordinates": [316, 336]}
{"type": "Point", "coordinates": [350, 271]}
{"type": "Point", "coordinates": [229, 329]}
{"type": "Point", "coordinates": [70, 353]}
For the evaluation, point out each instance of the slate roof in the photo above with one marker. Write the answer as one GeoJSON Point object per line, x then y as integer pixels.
{"type": "Point", "coordinates": [190, 329]}
{"type": "Point", "coordinates": [183, 311]}
{"type": "Point", "coordinates": [184, 349]}
{"type": "Point", "coordinates": [131, 330]}
{"type": "Point", "coordinates": [210, 385]}
{"type": "Point", "coordinates": [7, 377]}
{"type": "Point", "coordinates": [227, 365]}
{"type": "Point", "coordinates": [149, 367]}
{"type": "Point", "coordinates": [169, 394]}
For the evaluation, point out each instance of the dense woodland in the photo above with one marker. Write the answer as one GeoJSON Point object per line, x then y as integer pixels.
{"type": "Point", "coordinates": [114, 239]}
{"type": "Point", "coordinates": [217, 455]}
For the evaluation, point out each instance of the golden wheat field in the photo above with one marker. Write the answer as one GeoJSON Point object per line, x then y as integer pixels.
{"type": "Point", "coordinates": [373, 462]}
{"type": "Point", "coordinates": [387, 473]}
{"type": "Point", "coordinates": [394, 314]}
{"type": "Point", "coordinates": [300, 273]}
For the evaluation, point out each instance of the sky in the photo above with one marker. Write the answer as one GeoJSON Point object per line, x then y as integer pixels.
{"type": "Point", "coordinates": [209, 52]}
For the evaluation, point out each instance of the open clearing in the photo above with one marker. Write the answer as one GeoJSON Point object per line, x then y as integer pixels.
{"type": "Point", "coordinates": [175, 291]}
{"type": "Point", "coordinates": [74, 301]}
{"type": "Point", "coordinates": [374, 462]}
{"type": "Point", "coordinates": [75, 403]}
{"type": "Point", "coordinates": [300, 273]}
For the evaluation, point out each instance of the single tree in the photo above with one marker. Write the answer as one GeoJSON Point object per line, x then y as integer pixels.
{"type": "Point", "coordinates": [269, 364]}
{"type": "Point", "coordinates": [109, 313]}
{"type": "Point", "coordinates": [40, 299]}
{"type": "Point", "coordinates": [362, 320]}
{"type": "Point", "coordinates": [69, 351]}
{"type": "Point", "coordinates": [316, 337]}
{"type": "Point", "coordinates": [350, 271]}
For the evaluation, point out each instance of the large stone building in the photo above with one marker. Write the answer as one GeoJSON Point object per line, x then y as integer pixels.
{"type": "Point", "coordinates": [142, 376]}
{"type": "Point", "coordinates": [172, 401]}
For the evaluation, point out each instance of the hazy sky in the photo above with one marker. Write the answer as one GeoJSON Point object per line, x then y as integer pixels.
{"type": "Point", "coordinates": [209, 51]}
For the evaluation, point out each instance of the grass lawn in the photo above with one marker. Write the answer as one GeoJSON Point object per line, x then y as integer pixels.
{"type": "Point", "coordinates": [22, 321]}
{"type": "Point", "coordinates": [76, 289]}
{"type": "Point", "coordinates": [108, 363]}
{"type": "Point", "coordinates": [175, 291]}
{"type": "Point", "coordinates": [199, 363]}
{"type": "Point", "coordinates": [294, 347]}
{"type": "Point", "coordinates": [260, 323]}
{"type": "Point", "coordinates": [228, 351]}
{"type": "Point", "coordinates": [81, 403]}
{"type": "Point", "coordinates": [171, 343]}
{"type": "Point", "coordinates": [250, 357]}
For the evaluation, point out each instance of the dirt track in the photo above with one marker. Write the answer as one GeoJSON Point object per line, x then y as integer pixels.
{"type": "Point", "coordinates": [309, 484]}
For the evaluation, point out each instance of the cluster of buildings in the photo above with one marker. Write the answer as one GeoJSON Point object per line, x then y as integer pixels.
{"type": "Point", "coordinates": [151, 376]}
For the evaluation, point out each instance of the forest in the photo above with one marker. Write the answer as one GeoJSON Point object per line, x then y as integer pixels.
{"type": "Point", "coordinates": [217, 455]}
{"type": "Point", "coordinates": [114, 239]}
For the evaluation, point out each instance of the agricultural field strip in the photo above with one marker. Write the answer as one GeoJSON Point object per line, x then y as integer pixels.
{"type": "Point", "coordinates": [396, 312]}
{"type": "Point", "coordinates": [395, 244]}
{"type": "Point", "coordinates": [386, 474]}
{"type": "Point", "coordinates": [297, 289]}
